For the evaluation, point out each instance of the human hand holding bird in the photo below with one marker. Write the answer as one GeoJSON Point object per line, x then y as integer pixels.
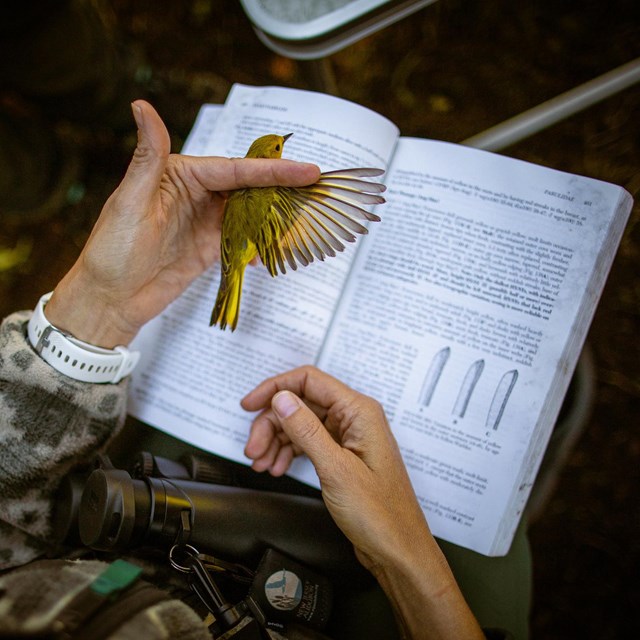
{"type": "Point", "coordinates": [156, 234]}
{"type": "Point", "coordinates": [292, 225]}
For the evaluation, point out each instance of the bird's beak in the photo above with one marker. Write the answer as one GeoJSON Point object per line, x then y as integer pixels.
{"type": "Point", "coordinates": [285, 138]}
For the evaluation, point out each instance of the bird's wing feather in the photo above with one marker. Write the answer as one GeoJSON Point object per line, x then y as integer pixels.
{"type": "Point", "coordinates": [311, 222]}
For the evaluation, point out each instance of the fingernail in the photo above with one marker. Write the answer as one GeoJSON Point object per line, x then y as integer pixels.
{"type": "Point", "coordinates": [137, 114]}
{"type": "Point", "coordinates": [285, 403]}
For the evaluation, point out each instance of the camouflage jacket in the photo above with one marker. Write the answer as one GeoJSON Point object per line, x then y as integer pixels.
{"type": "Point", "coordinates": [48, 423]}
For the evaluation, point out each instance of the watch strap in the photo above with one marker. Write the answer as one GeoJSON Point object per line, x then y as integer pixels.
{"type": "Point", "coordinates": [75, 358]}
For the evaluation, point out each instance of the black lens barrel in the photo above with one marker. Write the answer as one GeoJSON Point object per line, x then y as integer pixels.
{"type": "Point", "coordinates": [118, 512]}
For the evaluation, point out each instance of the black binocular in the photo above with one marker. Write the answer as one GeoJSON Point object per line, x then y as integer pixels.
{"type": "Point", "coordinates": [161, 502]}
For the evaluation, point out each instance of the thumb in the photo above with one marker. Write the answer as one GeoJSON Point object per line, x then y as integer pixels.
{"type": "Point", "coordinates": [150, 156]}
{"type": "Point", "coordinates": [305, 430]}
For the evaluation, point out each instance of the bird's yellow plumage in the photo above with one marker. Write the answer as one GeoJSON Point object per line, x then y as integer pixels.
{"type": "Point", "coordinates": [291, 225]}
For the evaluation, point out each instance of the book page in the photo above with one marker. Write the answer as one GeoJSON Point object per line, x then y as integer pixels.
{"type": "Point", "coordinates": [465, 314]}
{"type": "Point", "coordinates": [192, 377]}
{"type": "Point", "coordinates": [328, 131]}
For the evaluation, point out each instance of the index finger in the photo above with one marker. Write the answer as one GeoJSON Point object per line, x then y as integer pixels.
{"type": "Point", "coordinates": [226, 174]}
{"type": "Point", "coordinates": [306, 382]}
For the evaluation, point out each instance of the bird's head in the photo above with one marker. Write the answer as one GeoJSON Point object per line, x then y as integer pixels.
{"type": "Point", "coordinates": [268, 146]}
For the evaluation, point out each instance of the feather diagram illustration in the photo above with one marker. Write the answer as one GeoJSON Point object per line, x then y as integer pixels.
{"type": "Point", "coordinates": [433, 375]}
{"type": "Point", "coordinates": [466, 389]}
{"type": "Point", "coordinates": [500, 398]}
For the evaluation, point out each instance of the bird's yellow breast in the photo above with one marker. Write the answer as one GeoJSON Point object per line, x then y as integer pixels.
{"type": "Point", "coordinates": [248, 210]}
{"type": "Point", "coordinates": [245, 222]}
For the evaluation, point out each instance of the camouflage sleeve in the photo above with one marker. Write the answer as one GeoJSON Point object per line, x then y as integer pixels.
{"type": "Point", "coordinates": [48, 424]}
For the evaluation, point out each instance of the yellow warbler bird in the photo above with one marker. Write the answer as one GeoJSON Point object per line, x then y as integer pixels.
{"type": "Point", "coordinates": [288, 224]}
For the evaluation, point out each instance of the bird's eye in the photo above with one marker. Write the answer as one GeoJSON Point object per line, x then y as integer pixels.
{"type": "Point", "coordinates": [277, 147]}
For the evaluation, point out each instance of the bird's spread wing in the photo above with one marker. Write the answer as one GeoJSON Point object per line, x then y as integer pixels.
{"type": "Point", "coordinates": [311, 222]}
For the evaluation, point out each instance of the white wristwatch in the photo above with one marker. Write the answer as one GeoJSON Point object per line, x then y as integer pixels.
{"type": "Point", "coordinates": [76, 359]}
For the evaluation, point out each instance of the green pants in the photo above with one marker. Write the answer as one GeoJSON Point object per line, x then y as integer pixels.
{"type": "Point", "coordinates": [498, 590]}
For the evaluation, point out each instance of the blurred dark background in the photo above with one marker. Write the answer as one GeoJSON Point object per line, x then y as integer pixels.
{"type": "Point", "coordinates": [450, 71]}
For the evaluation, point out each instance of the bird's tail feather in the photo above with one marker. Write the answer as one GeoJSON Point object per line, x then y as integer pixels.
{"type": "Point", "coordinates": [227, 308]}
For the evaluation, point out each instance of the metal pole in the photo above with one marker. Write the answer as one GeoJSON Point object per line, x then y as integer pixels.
{"type": "Point", "coordinates": [552, 111]}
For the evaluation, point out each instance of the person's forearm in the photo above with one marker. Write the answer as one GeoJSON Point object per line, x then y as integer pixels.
{"type": "Point", "coordinates": [79, 310]}
{"type": "Point", "coordinates": [424, 594]}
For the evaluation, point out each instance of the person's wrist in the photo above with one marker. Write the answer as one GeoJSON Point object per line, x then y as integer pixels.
{"type": "Point", "coordinates": [424, 593]}
{"type": "Point", "coordinates": [403, 557]}
{"type": "Point", "coordinates": [78, 308]}
{"type": "Point", "coordinates": [423, 566]}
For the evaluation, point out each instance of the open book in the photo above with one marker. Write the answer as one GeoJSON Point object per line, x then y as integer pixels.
{"type": "Point", "coordinates": [464, 311]}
